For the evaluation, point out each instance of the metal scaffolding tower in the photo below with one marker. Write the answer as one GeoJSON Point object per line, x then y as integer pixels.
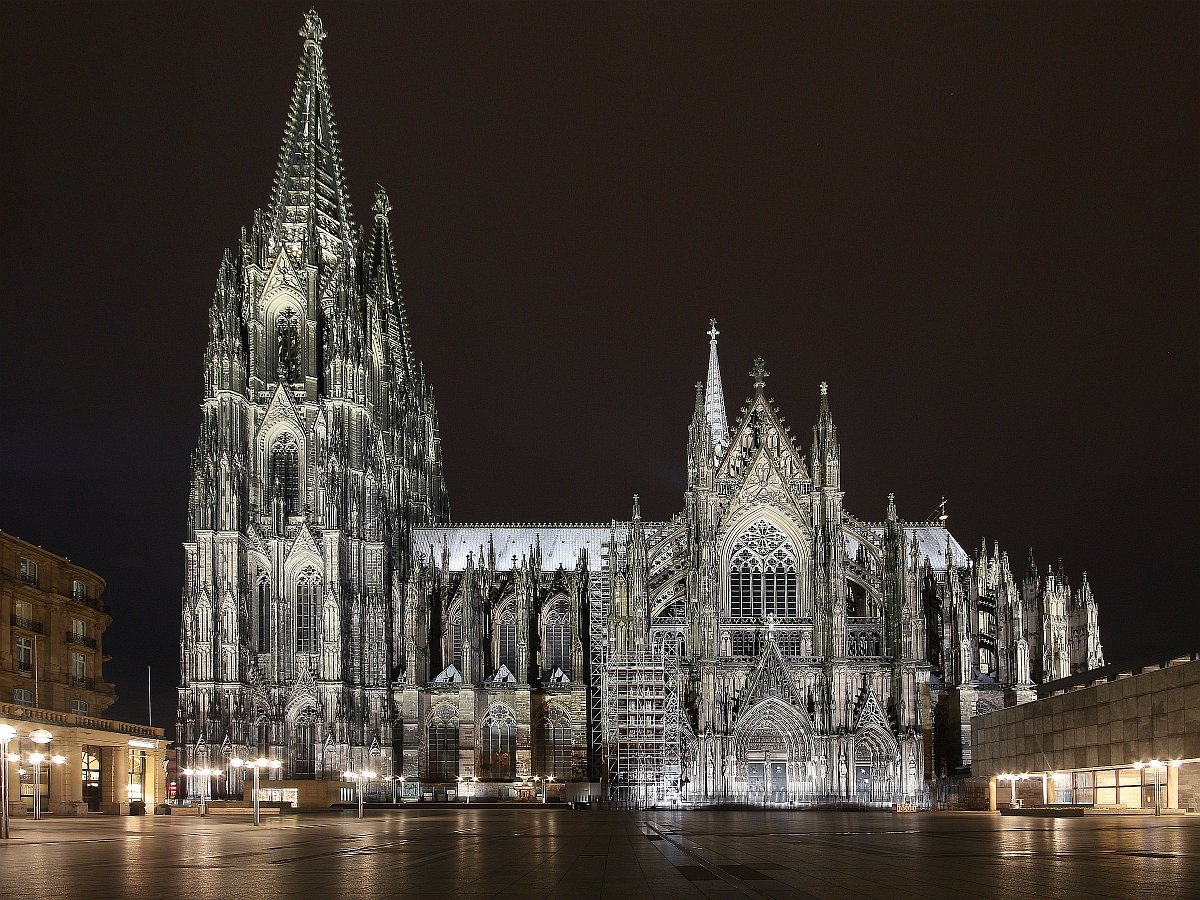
{"type": "Point", "coordinates": [643, 728]}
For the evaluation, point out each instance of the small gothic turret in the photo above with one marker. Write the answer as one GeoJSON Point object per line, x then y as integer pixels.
{"type": "Point", "coordinates": [826, 454]}
{"type": "Point", "coordinates": [714, 396]}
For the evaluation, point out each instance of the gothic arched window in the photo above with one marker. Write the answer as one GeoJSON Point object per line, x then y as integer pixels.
{"type": "Point", "coordinates": [308, 587]}
{"type": "Point", "coordinates": [506, 641]}
{"type": "Point", "coordinates": [288, 363]}
{"type": "Point", "coordinates": [442, 755]}
{"type": "Point", "coordinates": [499, 757]}
{"type": "Point", "coordinates": [556, 648]}
{"type": "Point", "coordinates": [556, 744]}
{"type": "Point", "coordinates": [762, 574]}
{"type": "Point", "coordinates": [285, 471]}
{"type": "Point", "coordinates": [264, 614]}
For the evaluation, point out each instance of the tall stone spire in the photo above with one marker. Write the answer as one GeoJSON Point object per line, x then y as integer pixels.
{"type": "Point", "coordinates": [385, 286]}
{"type": "Point", "coordinates": [714, 396]}
{"type": "Point", "coordinates": [309, 202]}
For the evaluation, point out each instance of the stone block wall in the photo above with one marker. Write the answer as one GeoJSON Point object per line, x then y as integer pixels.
{"type": "Point", "coordinates": [1155, 714]}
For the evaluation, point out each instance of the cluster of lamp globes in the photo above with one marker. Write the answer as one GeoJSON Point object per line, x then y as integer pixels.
{"type": "Point", "coordinates": [39, 736]}
{"type": "Point", "coordinates": [1153, 764]}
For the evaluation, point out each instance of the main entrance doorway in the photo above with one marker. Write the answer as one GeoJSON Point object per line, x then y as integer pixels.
{"type": "Point", "coordinates": [768, 776]}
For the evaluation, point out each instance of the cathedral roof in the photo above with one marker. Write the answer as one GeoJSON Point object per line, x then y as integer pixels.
{"type": "Point", "coordinates": [931, 543]}
{"type": "Point", "coordinates": [560, 545]}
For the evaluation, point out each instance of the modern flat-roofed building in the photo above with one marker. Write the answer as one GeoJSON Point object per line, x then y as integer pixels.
{"type": "Point", "coordinates": [52, 623]}
{"type": "Point", "coordinates": [1116, 739]}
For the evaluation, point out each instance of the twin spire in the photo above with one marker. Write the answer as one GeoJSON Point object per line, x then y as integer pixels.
{"type": "Point", "coordinates": [309, 204]}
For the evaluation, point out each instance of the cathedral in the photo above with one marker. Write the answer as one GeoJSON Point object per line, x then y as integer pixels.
{"type": "Point", "coordinates": [763, 644]}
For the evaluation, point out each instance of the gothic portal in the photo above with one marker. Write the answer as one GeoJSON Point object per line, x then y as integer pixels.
{"type": "Point", "coordinates": [761, 644]}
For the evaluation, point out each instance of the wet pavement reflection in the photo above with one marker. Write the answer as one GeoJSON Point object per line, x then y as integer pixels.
{"type": "Point", "coordinates": [456, 853]}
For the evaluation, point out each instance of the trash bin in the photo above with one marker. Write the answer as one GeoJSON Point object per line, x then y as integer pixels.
{"type": "Point", "coordinates": [137, 807]}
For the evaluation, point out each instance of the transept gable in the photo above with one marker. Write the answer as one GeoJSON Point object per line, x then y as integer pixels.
{"type": "Point", "coordinates": [762, 458]}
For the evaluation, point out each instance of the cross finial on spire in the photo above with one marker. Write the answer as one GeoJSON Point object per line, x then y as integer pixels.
{"type": "Point", "coordinates": [383, 206]}
{"type": "Point", "coordinates": [824, 388]}
{"type": "Point", "coordinates": [712, 331]}
{"type": "Point", "coordinates": [759, 373]}
{"type": "Point", "coordinates": [313, 31]}
{"type": "Point", "coordinates": [637, 508]}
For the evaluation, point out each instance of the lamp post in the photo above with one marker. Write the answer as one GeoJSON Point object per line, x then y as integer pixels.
{"type": "Point", "coordinates": [204, 775]}
{"type": "Point", "coordinates": [255, 766]}
{"type": "Point", "coordinates": [1157, 766]}
{"type": "Point", "coordinates": [360, 779]}
{"type": "Point", "coordinates": [546, 788]}
{"type": "Point", "coordinates": [7, 733]}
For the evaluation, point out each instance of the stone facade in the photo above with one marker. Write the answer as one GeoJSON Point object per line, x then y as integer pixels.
{"type": "Point", "coordinates": [52, 624]}
{"type": "Point", "coordinates": [334, 616]}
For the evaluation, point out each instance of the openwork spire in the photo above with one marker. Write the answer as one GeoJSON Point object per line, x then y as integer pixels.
{"type": "Point", "coordinates": [714, 396]}
{"type": "Point", "coordinates": [309, 203]}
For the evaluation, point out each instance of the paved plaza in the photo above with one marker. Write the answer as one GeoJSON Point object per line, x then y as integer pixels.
{"type": "Point", "coordinates": [452, 854]}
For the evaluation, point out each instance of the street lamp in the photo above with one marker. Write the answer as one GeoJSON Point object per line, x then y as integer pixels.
{"type": "Point", "coordinates": [466, 786]}
{"type": "Point", "coordinates": [1157, 766]}
{"type": "Point", "coordinates": [360, 779]}
{"type": "Point", "coordinates": [7, 733]}
{"type": "Point", "coordinates": [204, 775]}
{"type": "Point", "coordinates": [546, 787]}
{"type": "Point", "coordinates": [256, 765]}
{"type": "Point", "coordinates": [396, 779]}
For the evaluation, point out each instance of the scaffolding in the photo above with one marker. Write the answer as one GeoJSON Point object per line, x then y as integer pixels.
{"type": "Point", "coordinates": [597, 632]}
{"type": "Point", "coordinates": [643, 728]}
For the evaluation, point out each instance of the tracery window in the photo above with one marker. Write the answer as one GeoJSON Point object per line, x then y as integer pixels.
{"type": "Point", "coordinates": [762, 574]}
{"type": "Point", "coordinates": [442, 761]}
{"type": "Point", "coordinates": [287, 346]}
{"type": "Point", "coordinates": [557, 645]}
{"type": "Point", "coordinates": [506, 640]}
{"type": "Point", "coordinates": [555, 746]}
{"type": "Point", "coordinates": [285, 471]}
{"type": "Point", "coordinates": [498, 757]}
{"type": "Point", "coordinates": [307, 593]}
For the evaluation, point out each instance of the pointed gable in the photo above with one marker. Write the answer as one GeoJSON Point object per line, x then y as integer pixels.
{"type": "Point", "coordinates": [770, 678]}
{"type": "Point", "coordinates": [281, 409]}
{"type": "Point", "coordinates": [762, 459]}
{"type": "Point", "coordinates": [869, 713]}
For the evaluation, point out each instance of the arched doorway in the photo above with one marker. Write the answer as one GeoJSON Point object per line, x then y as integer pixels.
{"type": "Point", "coordinates": [773, 752]}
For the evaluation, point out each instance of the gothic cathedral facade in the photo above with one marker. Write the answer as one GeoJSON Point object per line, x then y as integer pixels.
{"type": "Point", "coordinates": [762, 643]}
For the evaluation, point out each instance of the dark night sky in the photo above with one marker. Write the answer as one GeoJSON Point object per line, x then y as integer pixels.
{"type": "Point", "coordinates": [976, 222]}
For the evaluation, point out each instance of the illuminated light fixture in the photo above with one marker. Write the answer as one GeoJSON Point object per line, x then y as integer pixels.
{"type": "Point", "coordinates": [7, 732]}
{"type": "Point", "coordinates": [237, 762]}
{"type": "Point", "coordinates": [1176, 763]}
{"type": "Point", "coordinates": [1139, 765]}
{"type": "Point", "coordinates": [41, 736]}
{"type": "Point", "coordinates": [58, 759]}
{"type": "Point", "coordinates": [1156, 764]}
{"type": "Point", "coordinates": [13, 757]}
{"type": "Point", "coordinates": [37, 758]}
{"type": "Point", "coordinates": [143, 744]}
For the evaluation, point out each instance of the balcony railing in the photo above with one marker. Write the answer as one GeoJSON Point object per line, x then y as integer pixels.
{"type": "Point", "coordinates": [27, 624]}
{"type": "Point", "coordinates": [24, 668]}
{"type": "Point", "coordinates": [29, 578]}
{"type": "Point", "coordinates": [81, 639]}
{"type": "Point", "coordinates": [80, 681]}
